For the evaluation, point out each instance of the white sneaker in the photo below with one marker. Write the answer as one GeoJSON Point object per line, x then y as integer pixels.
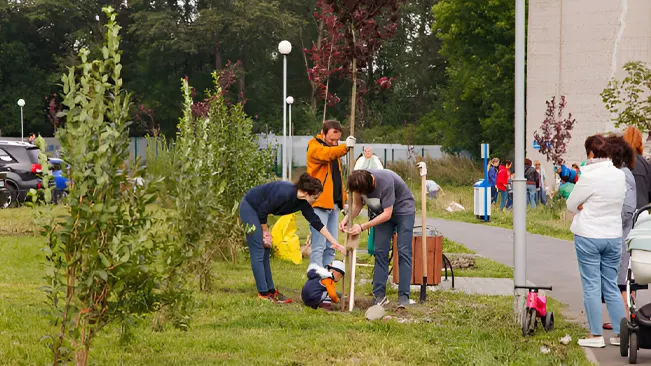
{"type": "Point", "coordinates": [595, 342]}
{"type": "Point", "coordinates": [614, 341]}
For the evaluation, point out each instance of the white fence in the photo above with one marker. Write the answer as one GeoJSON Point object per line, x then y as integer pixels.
{"type": "Point", "coordinates": [386, 152]}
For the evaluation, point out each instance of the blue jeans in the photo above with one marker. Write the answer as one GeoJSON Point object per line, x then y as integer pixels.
{"type": "Point", "coordinates": [542, 197]}
{"type": "Point", "coordinates": [531, 195]}
{"type": "Point", "coordinates": [259, 254]}
{"type": "Point", "coordinates": [494, 193]}
{"type": "Point", "coordinates": [598, 263]}
{"type": "Point", "coordinates": [321, 253]}
{"type": "Point", "coordinates": [504, 197]}
{"type": "Point", "coordinates": [383, 234]}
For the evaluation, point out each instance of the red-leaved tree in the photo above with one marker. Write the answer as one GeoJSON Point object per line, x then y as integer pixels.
{"type": "Point", "coordinates": [354, 31]}
{"type": "Point", "coordinates": [353, 34]}
{"type": "Point", "coordinates": [555, 131]}
{"type": "Point", "coordinates": [228, 76]}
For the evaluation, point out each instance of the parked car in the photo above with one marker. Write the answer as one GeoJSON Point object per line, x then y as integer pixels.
{"type": "Point", "coordinates": [19, 160]}
{"type": "Point", "coordinates": [4, 192]}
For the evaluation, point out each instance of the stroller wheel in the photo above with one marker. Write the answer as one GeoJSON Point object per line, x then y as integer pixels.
{"type": "Point", "coordinates": [549, 321]}
{"type": "Point", "coordinates": [632, 350]}
{"type": "Point", "coordinates": [623, 337]}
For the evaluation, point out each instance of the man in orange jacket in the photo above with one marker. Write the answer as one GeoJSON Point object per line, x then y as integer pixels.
{"type": "Point", "coordinates": [324, 163]}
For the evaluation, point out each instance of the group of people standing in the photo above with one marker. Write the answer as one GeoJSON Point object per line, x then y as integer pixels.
{"type": "Point", "coordinates": [614, 181]}
{"type": "Point", "coordinates": [500, 177]}
{"type": "Point", "coordinates": [320, 195]}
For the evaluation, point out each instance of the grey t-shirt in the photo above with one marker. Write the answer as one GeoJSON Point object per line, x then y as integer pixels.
{"type": "Point", "coordinates": [390, 190]}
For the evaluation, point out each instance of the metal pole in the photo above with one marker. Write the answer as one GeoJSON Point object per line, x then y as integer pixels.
{"type": "Point", "coordinates": [519, 183]}
{"type": "Point", "coordinates": [22, 126]}
{"type": "Point", "coordinates": [487, 188]}
{"type": "Point", "coordinates": [284, 156]}
{"type": "Point", "coordinates": [290, 156]}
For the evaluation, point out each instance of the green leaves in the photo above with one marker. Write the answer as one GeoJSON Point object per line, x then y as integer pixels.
{"type": "Point", "coordinates": [105, 254]}
{"type": "Point", "coordinates": [629, 100]}
{"type": "Point", "coordinates": [478, 43]}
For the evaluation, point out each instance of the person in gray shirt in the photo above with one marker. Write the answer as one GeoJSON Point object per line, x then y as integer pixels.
{"type": "Point", "coordinates": [391, 208]}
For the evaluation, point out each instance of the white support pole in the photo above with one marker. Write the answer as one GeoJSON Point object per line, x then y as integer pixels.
{"type": "Point", "coordinates": [284, 163]}
{"type": "Point", "coordinates": [22, 125]}
{"type": "Point", "coordinates": [290, 156]}
{"type": "Point", "coordinates": [519, 183]}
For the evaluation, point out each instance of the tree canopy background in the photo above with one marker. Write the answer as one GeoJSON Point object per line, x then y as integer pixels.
{"type": "Point", "coordinates": [450, 65]}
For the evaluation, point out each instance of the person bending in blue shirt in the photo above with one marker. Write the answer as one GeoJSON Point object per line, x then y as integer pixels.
{"type": "Point", "coordinates": [277, 198]}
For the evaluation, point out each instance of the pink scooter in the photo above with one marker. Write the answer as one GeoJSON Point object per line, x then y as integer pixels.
{"type": "Point", "coordinates": [536, 307]}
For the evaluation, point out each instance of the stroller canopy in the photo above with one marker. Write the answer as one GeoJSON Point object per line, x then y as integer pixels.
{"type": "Point", "coordinates": [640, 235]}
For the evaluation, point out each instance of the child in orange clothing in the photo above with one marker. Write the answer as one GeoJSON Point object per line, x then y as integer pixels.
{"type": "Point", "coordinates": [321, 284]}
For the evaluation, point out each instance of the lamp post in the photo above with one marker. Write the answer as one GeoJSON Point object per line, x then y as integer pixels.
{"type": "Point", "coordinates": [290, 101]}
{"type": "Point", "coordinates": [21, 104]}
{"type": "Point", "coordinates": [284, 48]}
{"type": "Point", "coordinates": [519, 183]}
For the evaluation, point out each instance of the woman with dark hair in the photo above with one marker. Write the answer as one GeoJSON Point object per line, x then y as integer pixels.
{"type": "Point", "coordinates": [623, 158]}
{"type": "Point", "coordinates": [392, 205]}
{"type": "Point", "coordinates": [277, 198]}
{"type": "Point", "coordinates": [642, 169]}
{"type": "Point", "coordinates": [597, 201]}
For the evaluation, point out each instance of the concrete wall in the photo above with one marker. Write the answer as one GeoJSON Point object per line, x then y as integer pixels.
{"type": "Point", "coordinates": [574, 48]}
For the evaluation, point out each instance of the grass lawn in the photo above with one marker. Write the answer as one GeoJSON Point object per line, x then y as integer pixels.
{"type": "Point", "coordinates": [543, 220]}
{"type": "Point", "coordinates": [230, 326]}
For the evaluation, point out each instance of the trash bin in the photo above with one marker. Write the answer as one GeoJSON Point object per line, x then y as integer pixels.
{"type": "Point", "coordinates": [482, 200]}
{"type": "Point", "coordinates": [434, 247]}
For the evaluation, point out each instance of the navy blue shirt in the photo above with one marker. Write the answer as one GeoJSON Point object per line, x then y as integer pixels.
{"type": "Point", "coordinates": [279, 198]}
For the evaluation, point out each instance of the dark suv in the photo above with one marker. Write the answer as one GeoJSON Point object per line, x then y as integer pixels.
{"type": "Point", "coordinates": [20, 161]}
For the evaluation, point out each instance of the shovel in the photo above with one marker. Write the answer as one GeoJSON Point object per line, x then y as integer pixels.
{"type": "Point", "coordinates": [423, 209]}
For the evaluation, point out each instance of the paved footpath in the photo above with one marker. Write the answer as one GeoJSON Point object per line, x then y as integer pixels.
{"type": "Point", "coordinates": [549, 262]}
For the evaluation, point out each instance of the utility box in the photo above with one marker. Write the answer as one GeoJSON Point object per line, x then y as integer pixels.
{"type": "Point", "coordinates": [434, 257]}
{"type": "Point", "coordinates": [482, 200]}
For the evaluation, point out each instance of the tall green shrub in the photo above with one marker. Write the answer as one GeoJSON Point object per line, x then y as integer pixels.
{"type": "Point", "coordinates": [218, 160]}
{"type": "Point", "coordinates": [104, 259]}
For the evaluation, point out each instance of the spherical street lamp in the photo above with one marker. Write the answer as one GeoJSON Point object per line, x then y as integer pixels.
{"type": "Point", "coordinates": [284, 48]}
{"type": "Point", "coordinates": [21, 104]}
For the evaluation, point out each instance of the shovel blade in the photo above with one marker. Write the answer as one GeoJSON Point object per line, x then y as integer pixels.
{"type": "Point", "coordinates": [423, 290]}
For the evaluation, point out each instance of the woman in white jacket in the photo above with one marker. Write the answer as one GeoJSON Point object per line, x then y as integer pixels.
{"type": "Point", "coordinates": [597, 201]}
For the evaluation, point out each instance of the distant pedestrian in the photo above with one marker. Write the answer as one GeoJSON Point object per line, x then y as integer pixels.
{"type": "Point", "coordinates": [642, 169]}
{"type": "Point", "coordinates": [502, 183]}
{"type": "Point", "coordinates": [433, 189]}
{"type": "Point", "coordinates": [542, 183]}
{"type": "Point", "coordinates": [565, 188]}
{"type": "Point", "coordinates": [368, 160]}
{"type": "Point", "coordinates": [493, 169]}
{"type": "Point", "coordinates": [571, 174]}
{"type": "Point", "coordinates": [531, 175]}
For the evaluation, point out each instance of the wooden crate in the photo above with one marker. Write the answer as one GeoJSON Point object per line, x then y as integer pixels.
{"type": "Point", "coordinates": [434, 260]}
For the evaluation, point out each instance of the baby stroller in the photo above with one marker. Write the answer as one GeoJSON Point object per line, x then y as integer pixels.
{"type": "Point", "coordinates": [636, 331]}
